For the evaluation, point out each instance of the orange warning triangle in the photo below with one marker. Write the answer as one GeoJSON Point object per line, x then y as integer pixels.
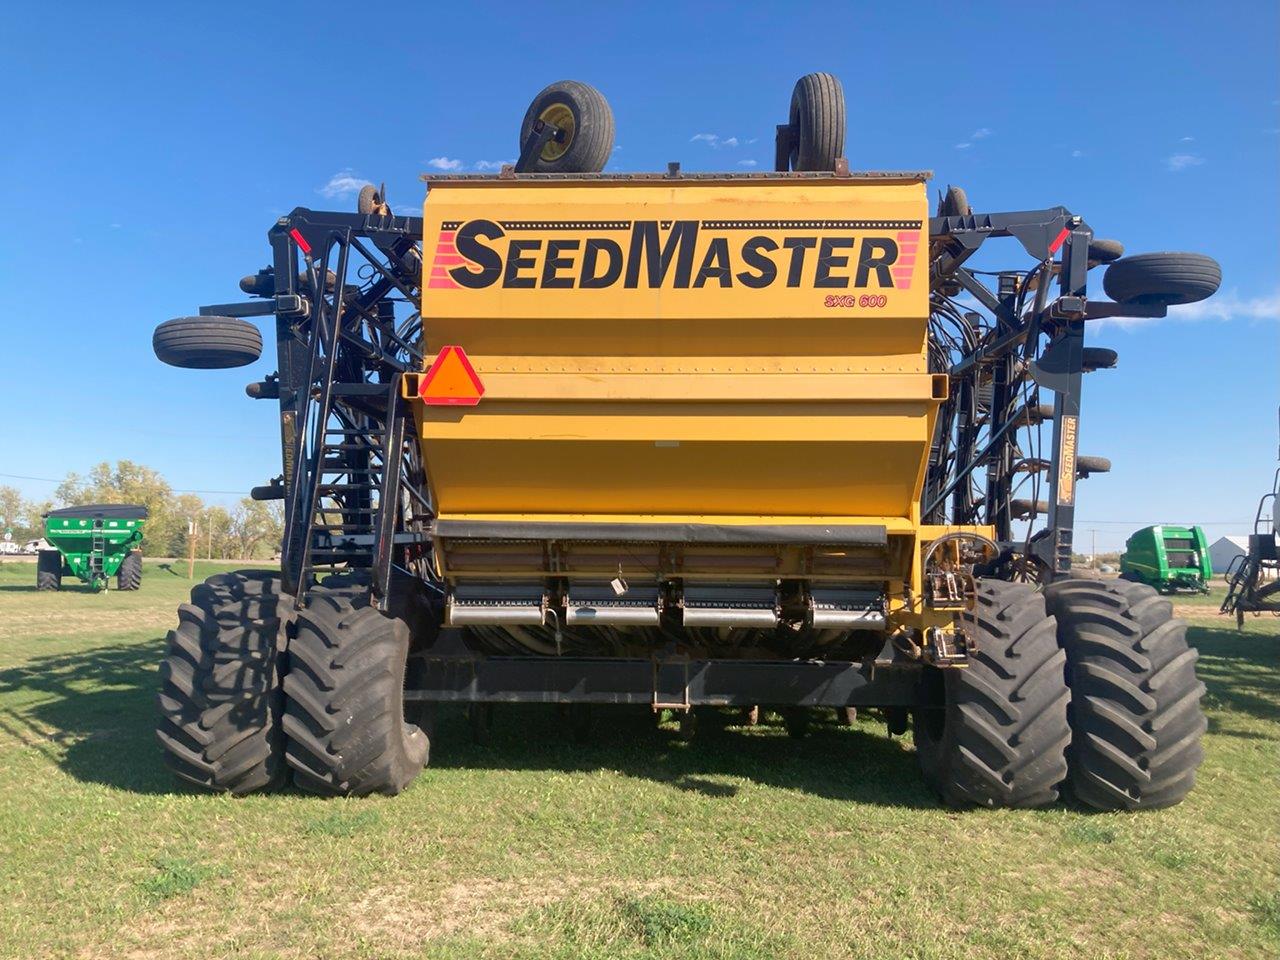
{"type": "Point", "coordinates": [451, 380]}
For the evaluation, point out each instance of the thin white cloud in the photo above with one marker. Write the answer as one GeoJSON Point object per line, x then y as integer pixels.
{"type": "Point", "coordinates": [444, 163]}
{"type": "Point", "coordinates": [1230, 306]}
{"type": "Point", "coordinates": [486, 164]}
{"type": "Point", "coordinates": [1182, 161]}
{"type": "Point", "coordinates": [980, 133]}
{"type": "Point", "coordinates": [1077, 153]}
{"type": "Point", "coordinates": [963, 146]}
{"type": "Point", "coordinates": [1222, 306]}
{"type": "Point", "coordinates": [1186, 139]}
{"type": "Point", "coordinates": [715, 140]}
{"type": "Point", "coordinates": [746, 163]}
{"type": "Point", "coordinates": [344, 183]}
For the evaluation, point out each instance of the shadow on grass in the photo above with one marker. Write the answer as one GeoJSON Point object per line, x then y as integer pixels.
{"type": "Point", "coordinates": [1240, 670]}
{"type": "Point", "coordinates": [72, 586]}
{"type": "Point", "coordinates": [833, 761]}
{"type": "Point", "coordinates": [93, 714]}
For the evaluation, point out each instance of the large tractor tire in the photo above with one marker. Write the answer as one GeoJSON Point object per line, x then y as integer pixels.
{"type": "Point", "coordinates": [345, 714]}
{"type": "Point", "coordinates": [1135, 712]}
{"type": "Point", "coordinates": [129, 575]}
{"type": "Point", "coordinates": [818, 122]}
{"type": "Point", "coordinates": [1162, 278]}
{"type": "Point", "coordinates": [207, 343]}
{"type": "Point", "coordinates": [999, 735]}
{"type": "Point", "coordinates": [221, 696]}
{"type": "Point", "coordinates": [585, 122]}
{"type": "Point", "coordinates": [49, 570]}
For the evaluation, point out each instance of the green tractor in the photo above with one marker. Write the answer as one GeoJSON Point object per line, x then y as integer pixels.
{"type": "Point", "coordinates": [1168, 558]}
{"type": "Point", "coordinates": [94, 542]}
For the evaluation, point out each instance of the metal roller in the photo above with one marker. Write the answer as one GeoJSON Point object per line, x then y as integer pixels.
{"type": "Point", "coordinates": [496, 605]}
{"type": "Point", "coordinates": [835, 608]}
{"type": "Point", "coordinates": [600, 604]}
{"type": "Point", "coordinates": [730, 605]}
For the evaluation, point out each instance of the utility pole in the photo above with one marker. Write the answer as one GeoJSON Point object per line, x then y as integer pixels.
{"type": "Point", "coordinates": [1093, 554]}
{"type": "Point", "coordinates": [210, 522]}
{"type": "Point", "coordinates": [193, 531]}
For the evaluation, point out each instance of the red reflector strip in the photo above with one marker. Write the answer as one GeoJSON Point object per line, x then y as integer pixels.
{"type": "Point", "coordinates": [300, 240]}
{"type": "Point", "coordinates": [1059, 240]}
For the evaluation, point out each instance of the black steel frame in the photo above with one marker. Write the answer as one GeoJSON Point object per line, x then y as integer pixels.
{"type": "Point", "coordinates": [345, 293]}
{"type": "Point", "coordinates": [352, 482]}
{"type": "Point", "coordinates": [449, 672]}
{"type": "Point", "coordinates": [1000, 350]}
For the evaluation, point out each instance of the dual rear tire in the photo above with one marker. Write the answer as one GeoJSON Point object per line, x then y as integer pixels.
{"type": "Point", "coordinates": [345, 728]}
{"type": "Point", "coordinates": [251, 695]}
{"type": "Point", "coordinates": [999, 737]}
{"type": "Point", "coordinates": [1090, 683]}
{"type": "Point", "coordinates": [1136, 719]}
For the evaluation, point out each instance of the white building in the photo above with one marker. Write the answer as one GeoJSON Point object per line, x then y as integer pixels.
{"type": "Point", "coordinates": [1225, 549]}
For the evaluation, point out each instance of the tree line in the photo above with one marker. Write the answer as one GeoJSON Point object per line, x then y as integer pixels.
{"type": "Point", "coordinates": [250, 530]}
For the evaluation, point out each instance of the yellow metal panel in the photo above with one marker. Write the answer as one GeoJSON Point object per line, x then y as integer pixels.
{"type": "Point", "coordinates": [681, 348]}
{"type": "Point", "coordinates": [528, 250]}
{"type": "Point", "coordinates": [664, 386]}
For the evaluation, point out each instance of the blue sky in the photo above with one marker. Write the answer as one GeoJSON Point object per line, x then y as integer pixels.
{"type": "Point", "coordinates": [148, 148]}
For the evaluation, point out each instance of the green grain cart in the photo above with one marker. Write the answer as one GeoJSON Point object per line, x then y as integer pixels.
{"type": "Point", "coordinates": [93, 542]}
{"type": "Point", "coordinates": [1168, 558]}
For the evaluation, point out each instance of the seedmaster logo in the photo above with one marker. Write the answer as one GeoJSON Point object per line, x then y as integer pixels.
{"type": "Point", "coordinates": [675, 254]}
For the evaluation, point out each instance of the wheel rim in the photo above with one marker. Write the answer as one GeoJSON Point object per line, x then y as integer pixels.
{"type": "Point", "coordinates": [560, 116]}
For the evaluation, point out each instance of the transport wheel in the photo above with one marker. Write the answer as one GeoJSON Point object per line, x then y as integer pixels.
{"type": "Point", "coordinates": [220, 692]}
{"type": "Point", "coordinates": [129, 576]}
{"type": "Point", "coordinates": [580, 722]}
{"type": "Point", "coordinates": [207, 343]}
{"type": "Point", "coordinates": [345, 727]}
{"type": "Point", "coordinates": [1104, 251]}
{"type": "Point", "coordinates": [1097, 358]}
{"type": "Point", "coordinates": [1162, 278]}
{"type": "Point", "coordinates": [586, 123]}
{"type": "Point", "coordinates": [1026, 509]}
{"type": "Point", "coordinates": [480, 720]}
{"type": "Point", "coordinates": [817, 121]}
{"type": "Point", "coordinates": [1089, 465]}
{"type": "Point", "coordinates": [1034, 415]}
{"type": "Point", "coordinates": [1135, 712]}
{"type": "Point", "coordinates": [999, 735]}
{"type": "Point", "coordinates": [955, 203]}
{"type": "Point", "coordinates": [688, 725]}
{"type": "Point", "coordinates": [49, 570]}
{"type": "Point", "coordinates": [370, 201]}
{"type": "Point", "coordinates": [897, 720]}
{"type": "Point", "coordinates": [796, 720]}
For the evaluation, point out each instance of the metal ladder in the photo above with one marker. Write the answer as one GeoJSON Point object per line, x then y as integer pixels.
{"type": "Point", "coordinates": [97, 549]}
{"type": "Point", "coordinates": [347, 459]}
{"type": "Point", "coordinates": [1245, 571]}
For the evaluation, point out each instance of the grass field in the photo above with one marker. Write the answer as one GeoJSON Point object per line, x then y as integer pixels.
{"type": "Point", "coordinates": [742, 843]}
